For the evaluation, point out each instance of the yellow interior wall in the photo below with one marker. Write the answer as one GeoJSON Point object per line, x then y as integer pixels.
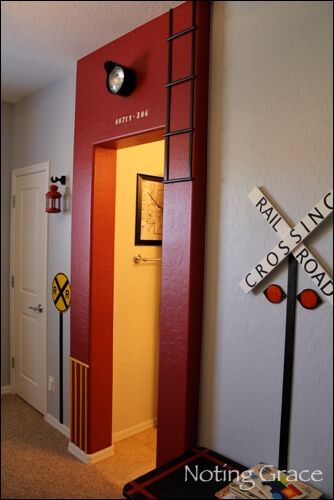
{"type": "Point", "coordinates": [136, 299]}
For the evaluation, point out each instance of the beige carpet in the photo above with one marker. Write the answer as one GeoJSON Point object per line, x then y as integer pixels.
{"type": "Point", "coordinates": [35, 462]}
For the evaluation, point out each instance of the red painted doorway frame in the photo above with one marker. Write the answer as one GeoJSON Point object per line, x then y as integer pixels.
{"type": "Point", "coordinates": [101, 122]}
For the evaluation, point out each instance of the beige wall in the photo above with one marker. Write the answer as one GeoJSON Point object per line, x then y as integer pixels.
{"type": "Point", "coordinates": [136, 300]}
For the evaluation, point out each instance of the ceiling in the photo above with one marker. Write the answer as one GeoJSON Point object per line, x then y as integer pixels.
{"type": "Point", "coordinates": [41, 41]}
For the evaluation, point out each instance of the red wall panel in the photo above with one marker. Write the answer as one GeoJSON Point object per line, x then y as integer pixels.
{"type": "Point", "coordinates": [103, 119]}
{"type": "Point", "coordinates": [145, 50]}
{"type": "Point", "coordinates": [102, 299]}
{"type": "Point", "coordinates": [183, 270]}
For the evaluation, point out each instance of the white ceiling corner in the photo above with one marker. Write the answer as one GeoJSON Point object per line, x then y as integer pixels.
{"type": "Point", "coordinates": [41, 41]}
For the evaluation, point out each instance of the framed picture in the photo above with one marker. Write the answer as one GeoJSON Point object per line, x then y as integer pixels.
{"type": "Point", "coordinates": [149, 207]}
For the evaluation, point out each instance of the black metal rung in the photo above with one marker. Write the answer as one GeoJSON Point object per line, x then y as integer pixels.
{"type": "Point", "coordinates": [178, 132]}
{"type": "Point", "coordinates": [181, 33]}
{"type": "Point", "coordinates": [179, 179]}
{"type": "Point", "coordinates": [181, 80]}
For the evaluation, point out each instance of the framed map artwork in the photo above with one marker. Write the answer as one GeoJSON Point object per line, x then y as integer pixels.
{"type": "Point", "coordinates": [149, 206]}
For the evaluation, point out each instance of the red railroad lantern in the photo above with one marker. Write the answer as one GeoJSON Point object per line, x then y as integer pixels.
{"type": "Point", "coordinates": [52, 197]}
{"type": "Point", "coordinates": [52, 200]}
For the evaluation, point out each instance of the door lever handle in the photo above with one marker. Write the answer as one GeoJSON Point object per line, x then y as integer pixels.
{"type": "Point", "coordinates": [38, 308]}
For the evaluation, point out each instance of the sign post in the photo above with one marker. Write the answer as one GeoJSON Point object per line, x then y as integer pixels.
{"type": "Point", "coordinates": [61, 296]}
{"type": "Point", "coordinates": [288, 363]}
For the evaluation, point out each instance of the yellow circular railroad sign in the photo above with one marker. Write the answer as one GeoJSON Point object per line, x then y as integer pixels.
{"type": "Point", "coordinates": [61, 292]}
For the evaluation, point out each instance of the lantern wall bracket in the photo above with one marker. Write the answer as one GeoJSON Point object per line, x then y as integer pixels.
{"type": "Point", "coordinates": [61, 179]}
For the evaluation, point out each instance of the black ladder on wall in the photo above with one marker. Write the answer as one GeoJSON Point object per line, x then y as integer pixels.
{"type": "Point", "coordinates": [168, 134]}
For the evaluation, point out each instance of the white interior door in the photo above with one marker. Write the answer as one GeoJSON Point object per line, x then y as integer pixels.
{"type": "Point", "coordinates": [29, 278]}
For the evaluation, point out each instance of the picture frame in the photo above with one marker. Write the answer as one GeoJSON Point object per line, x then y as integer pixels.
{"type": "Point", "coordinates": [149, 210]}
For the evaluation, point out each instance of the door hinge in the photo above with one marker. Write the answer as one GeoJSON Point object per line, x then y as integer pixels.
{"type": "Point", "coordinates": [13, 362]}
{"type": "Point", "coordinates": [12, 281]}
{"type": "Point", "coordinates": [13, 200]}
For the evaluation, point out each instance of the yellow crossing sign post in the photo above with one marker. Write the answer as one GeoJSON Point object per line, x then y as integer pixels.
{"type": "Point", "coordinates": [61, 292]}
{"type": "Point", "coordinates": [61, 296]}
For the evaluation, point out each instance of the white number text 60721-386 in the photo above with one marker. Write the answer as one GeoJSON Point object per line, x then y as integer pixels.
{"type": "Point", "coordinates": [137, 115]}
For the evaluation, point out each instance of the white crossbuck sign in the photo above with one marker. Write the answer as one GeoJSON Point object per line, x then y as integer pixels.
{"type": "Point", "coordinates": [291, 241]}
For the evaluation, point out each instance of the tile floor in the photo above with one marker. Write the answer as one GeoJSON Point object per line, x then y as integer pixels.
{"type": "Point", "coordinates": [133, 457]}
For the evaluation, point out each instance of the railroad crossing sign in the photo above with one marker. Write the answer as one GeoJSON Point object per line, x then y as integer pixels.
{"type": "Point", "coordinates": [290, 246]}
{"type": "Point", "coordinates": [61, 292]}
{"type": "Point", "coordinates": [291, 242]}
{"type": "Point", "coordinates": [61, 296]}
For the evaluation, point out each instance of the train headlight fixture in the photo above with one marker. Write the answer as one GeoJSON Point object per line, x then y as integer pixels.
{"type": "Point", "coordinates": [120, 80]}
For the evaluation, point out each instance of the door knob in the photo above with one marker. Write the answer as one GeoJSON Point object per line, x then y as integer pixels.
{"type": "Point", "coordinates": [38, 308]}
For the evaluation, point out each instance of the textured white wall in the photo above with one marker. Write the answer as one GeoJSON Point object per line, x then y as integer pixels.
{"type": "Point", "coordinates": [6, 130]}
{"type": "Point", "coordinates": [270, 125]}
{"type": "Point", "coordinates": [43, 130]}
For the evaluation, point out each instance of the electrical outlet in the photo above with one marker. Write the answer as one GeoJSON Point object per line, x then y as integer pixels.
{"type": "Point", "coordinates": [51, 384]}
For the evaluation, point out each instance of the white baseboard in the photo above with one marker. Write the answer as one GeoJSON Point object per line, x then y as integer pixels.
{"type": "Point", "coordinates": [57, 425]}
{"type": "Point", "coordinates": [6, 389]}
{"type": "Point", "coordinates": [92, 458]}
{"type": "Point", "coordinates": [131, 431]}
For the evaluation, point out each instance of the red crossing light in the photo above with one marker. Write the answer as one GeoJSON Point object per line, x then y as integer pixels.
{"type": "Point", "coordinates": [274, 293]}
{"type": "Point", "coordinates": [309, 299]}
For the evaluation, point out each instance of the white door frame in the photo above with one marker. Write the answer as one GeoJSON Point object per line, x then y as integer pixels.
{"type": "Point", "coordinates": [40, 167]}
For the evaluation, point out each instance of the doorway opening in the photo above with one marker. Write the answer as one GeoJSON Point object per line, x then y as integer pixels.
{"type": "Point", "coordinates": [137, 296]}
{"type": "Point", "coordinates": [133, 298]}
